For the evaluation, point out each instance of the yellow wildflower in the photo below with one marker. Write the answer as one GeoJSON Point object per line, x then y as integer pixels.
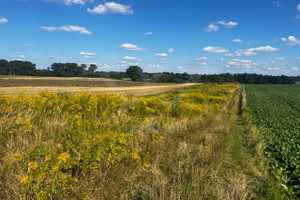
{"type": "Point", "coordinates": [24, 180]}
{"type": "Point", "coordinates": [146, 165]}
{"type": "Point", "coordinates": [146, 120]}
{"type": "Point", "coordinates": [55, 168]}
{"type": "Point", "coordinates": [64, 156]}
{"type": "Point", "coordinates": [17, 157]}
{"type": "Point", "coordinates": [47, 157]}
{"type": "Point", "coordinates": [135, 156]}
{"type": "Point", "coordinates": [32, 165]}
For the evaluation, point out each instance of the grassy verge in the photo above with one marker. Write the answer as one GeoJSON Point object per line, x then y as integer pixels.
{"type": "Point", "coordinates": [215, 156]}
{"type": "Point", "coordinates": [190, 143]}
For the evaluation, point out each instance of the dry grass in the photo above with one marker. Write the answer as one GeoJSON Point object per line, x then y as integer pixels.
{"type": "Point", "coordinates": [129, 90]}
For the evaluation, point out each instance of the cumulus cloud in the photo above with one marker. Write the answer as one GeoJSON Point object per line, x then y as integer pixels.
{"type": "Point", "coordinates": [295, 68]}
{"type": "Point", "coordinates": [254, 51]}
{"type": "Point", "coordinates": [3, 20]}
{"type": "Point", "coordinates": [69, 28]}
{"type": "Point", "coordinates": [148, 33]}
{"type": "Point", "coordinates": [70, 2]}
{"type": "Point", "coordinates": [291, 41]}
{"type": "Point", "coordinates": [111, 8]}
{"type": "Point", "coordinates": [201, 58]}
{"type": "Point", "coordinates": [161, 54]}
{"type": "Point", "coordinates": [87, 54]}
{"type": "Point", "coordinates": [237, 41]}
{"type": "Point", "coordinates": [229, 24]}
{"type": "Point", "coordinates": [212, 27]}
{"type": "Point", "coordinates": [131, 47]}
{"type": "Point", "coordinates": [129, 58]}
{"type": "Point", "coordinates": [171, 50]}
{"type": "Point", "coordinates": [22, 56]}
{"type": "Point", "coordinates": [298, 7]}
{"type": "Point", "coordinates": [215, 49]}
{"type": "Point", "coordinates": [241, 63]}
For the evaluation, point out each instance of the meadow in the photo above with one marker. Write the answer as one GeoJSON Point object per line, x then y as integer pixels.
{"type": "Point", "coordinates": [275, 110]}
{"type": "Point", "coordinates": [191, 142]}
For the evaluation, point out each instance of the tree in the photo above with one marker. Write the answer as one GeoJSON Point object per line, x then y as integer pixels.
{"type": "Point", "coordinates": [135, 73]}
{"type": "Point", "coordinates": [92, 68]}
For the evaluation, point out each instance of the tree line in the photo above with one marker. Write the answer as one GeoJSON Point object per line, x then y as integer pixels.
{"type": "Point", "coordinates": [27, 68]}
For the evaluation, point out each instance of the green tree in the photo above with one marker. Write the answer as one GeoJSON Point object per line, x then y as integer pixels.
{"type": "Point", "coordinates": [135, 73]}
{"type": "Point", "coordinates": [92, 68]}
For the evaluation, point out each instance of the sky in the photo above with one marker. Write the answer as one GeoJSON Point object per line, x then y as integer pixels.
{"type": "Point", "coordinates": [193, 36]}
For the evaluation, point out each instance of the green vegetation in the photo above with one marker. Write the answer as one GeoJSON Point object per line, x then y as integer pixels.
{"type": "Point", "coordinates": [16, 67]}
{"type": "Point", "coordinates": [276, 112]}
{"type": "Point", "coordinates": [191, 143]}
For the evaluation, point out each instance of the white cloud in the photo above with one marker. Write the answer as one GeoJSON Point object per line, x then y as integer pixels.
{"type": "Point", "coordinates": [254, 51]}
{"type": "Point", "coordinates": [131, 58]}
{"type": "Point", "coordinates": [131, 47]}
{"type": "Point", "coordinates": [212, 27]}
{"type": "Point", "coordinates": [161, 54]}
{"type": "Point", "coordinates": [237, 41]}
{"type": "Point", "coordinates": [295, 68]}
{"type": "Point", "coordinates": [201, 58]}
{"type": "Point", "coordinates": [148, 33]}
{"type": "Point", "coordinates": [22, 56]}
{"type": "Point", "coordinates": [229, 24]}
{"type": "Point", "coordinates": [228, 55]}
{"type": "Point", "coordinates": [171, 50]}
{"type": "Point", "coordinates": [298, 7]}
{"type": "Point", "coordinates": [279, 58]}
{"type": "Point", "coordinates": [3, 20]}
{"type": "Point", "coordinates": [70, 2]}
{"type": "Point", "coordinates": [277, 3]}
{"type": "Point", "coordinates": [69, 28]}
{"type": "Point", "coordinates": [215, 49]}
{"type": "Point", "coordinates": [111, 7]}
{"type": "Point", "coordinates": [298, 58]}
{"type": "Point", "coordinates": [241, 63]}
{"type": "Point", "coordinates": [87, 54]}
{"type": "Point", "coordinates": [291, 41]}
{"type": "Point", "coordinates": [246, 52]}
{"type": "Point", "coordinates": [264, 49]}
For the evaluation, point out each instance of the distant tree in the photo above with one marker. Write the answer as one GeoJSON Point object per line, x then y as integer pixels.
{"type": "Point", "coordinates": [83, 69]}
{"type": "Point", "coordinates": [92, 68]}
{"type": "Point", "coordinates": [135, 73]}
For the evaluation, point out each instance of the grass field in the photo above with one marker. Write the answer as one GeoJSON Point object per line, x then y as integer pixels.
{"type": "Point", "coordinates": [185, 142]}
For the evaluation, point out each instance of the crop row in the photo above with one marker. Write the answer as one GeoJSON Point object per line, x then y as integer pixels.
{"type": "Point", "coordinates": [276, 111]}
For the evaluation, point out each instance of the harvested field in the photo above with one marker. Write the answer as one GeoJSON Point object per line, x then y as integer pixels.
{"type": "Point", "coordinates": [12, 81]}
{"type": "Point", "coordinates": [129, 90]}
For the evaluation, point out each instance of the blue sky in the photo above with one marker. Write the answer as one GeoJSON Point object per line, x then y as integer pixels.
{"type": "Point", "coordinates": [194, 36]}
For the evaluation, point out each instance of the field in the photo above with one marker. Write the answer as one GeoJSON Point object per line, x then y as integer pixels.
{"type": "Point", "coordinates": [276, 112]}
{"type": "Point", "coordinates": [36, 85]}
{"type": "Point", "coordinates": [183, 142]}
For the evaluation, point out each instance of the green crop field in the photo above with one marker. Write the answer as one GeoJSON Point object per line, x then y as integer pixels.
{"type": "Point", "coordinates": [276, 112]}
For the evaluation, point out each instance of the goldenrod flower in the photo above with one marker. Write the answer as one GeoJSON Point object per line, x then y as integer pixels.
{"type": "Point", "coordinates": [64, 156]}
{"type": "Point", "coordinates": [24, 180]}
{"type": "Point", "coordinates": [55, 168]}
{"type": "Point", "coordinates": [135, 156]}
{"type": "Point", "coordinates": [32, 165]}
{"type": "Point", "coordinates": [47, 157]}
